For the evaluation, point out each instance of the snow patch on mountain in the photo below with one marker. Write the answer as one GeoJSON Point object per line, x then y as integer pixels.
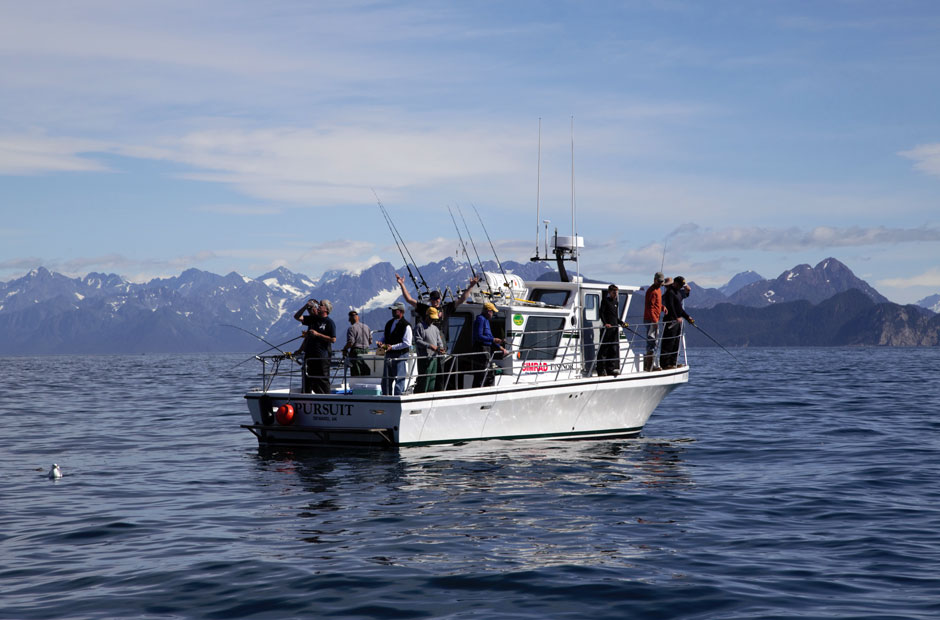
{"type": "Point", "coordinates": [384, 298]}
{"type": "Point", "coordinates": [931, 302]}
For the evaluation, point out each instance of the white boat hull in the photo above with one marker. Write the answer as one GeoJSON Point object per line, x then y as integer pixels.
{"type": "Point", "coordinates": [579, 408]}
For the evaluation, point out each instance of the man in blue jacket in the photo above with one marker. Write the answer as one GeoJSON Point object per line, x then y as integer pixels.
{"type": "Point", "coordinates": [483, 342]}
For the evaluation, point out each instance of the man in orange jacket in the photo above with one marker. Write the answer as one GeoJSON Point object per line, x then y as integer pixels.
{"type": "Point", "coordinates": [652, 310]}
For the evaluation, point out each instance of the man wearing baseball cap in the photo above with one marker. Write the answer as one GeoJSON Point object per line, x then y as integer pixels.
{"type": "Point", "coordinates": [358, 339]}
{"type": "Point", "coordinates": [483, 342]}
{"type": "Point", "coordinates": [429, 345]}
{"type": "Point", "coordinates": [652, 310]}
{"type": "Point", "coordinates": [396, 342]}
{"type": "Point", "coordinates": [675, 313]}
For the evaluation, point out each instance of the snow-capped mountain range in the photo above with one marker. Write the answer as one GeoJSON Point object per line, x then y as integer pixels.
{"type": "Point", "coordinates": [45, 312]}
{"type": "Point", "coordinates": [813, 284]}
{"type": "Point", "coordinates": [198, 311]}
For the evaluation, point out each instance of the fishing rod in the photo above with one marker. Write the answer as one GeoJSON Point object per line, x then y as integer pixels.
{"type": "Point", "coordinates": [462, 244]}
{"type": "Point", "coordinates": [498, 264]}
{"type": "Point", "coordinates": [718, 343]}
{"type": "Point", "coordinates": [255, 357]}
{"type": "Point", "coordinates": [272, 346]}
{"type": "Point", "coordinates": [397, 236]}
{"type": "Point", "coordinates": [469, 236]}
{"type": "Point", "coordinates": [663, 263]}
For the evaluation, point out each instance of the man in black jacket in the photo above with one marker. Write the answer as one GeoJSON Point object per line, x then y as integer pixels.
{"type": "Point", "coordinates": [608, 356]}
{"type": "Point", "coordinates": [675, 313]}
{"type": "Point", "coordinates": [317, 345]}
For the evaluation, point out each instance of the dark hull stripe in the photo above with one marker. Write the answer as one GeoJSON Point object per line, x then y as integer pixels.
{"type": "Point", "coordinates": [317, 440]}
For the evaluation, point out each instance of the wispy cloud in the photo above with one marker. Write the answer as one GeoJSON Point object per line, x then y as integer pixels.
{"type": "Point", "coordinates": [926, 158]}
{"type": "Point", "coordinates": [335, 164]}
{"type": "Point", "coordinates": [240, 209]}
{"type": "Point", "coordinates": [37, 153]}
{"type": "Point", "coordinates": [694, 237]}
{"type": "Point", "coordinates": [929, 278]}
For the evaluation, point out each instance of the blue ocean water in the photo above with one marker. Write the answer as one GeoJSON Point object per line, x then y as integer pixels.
{"type": "Point", "coordinates": [802, 483]}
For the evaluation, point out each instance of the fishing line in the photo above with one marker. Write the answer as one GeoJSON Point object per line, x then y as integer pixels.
{"type": "Point", "coordinates": [498, 264]}
{"type": "Point", "coordinates": [469, 236]}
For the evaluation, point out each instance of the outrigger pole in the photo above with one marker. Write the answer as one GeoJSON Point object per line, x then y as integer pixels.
{"type": "Point", "coordinates": [469, 236]}
{"type": "Point", "coordinates": [397, 236]}
{"type": "Point", "coordinates": [498, 264]}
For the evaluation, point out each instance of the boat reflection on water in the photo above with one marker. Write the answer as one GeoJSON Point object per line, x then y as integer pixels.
{"type": "Point", "coordinates": [481, 506]}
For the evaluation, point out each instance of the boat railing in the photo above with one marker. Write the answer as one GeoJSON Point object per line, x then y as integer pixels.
{"type": "Point", "coordinates": [544, 356]}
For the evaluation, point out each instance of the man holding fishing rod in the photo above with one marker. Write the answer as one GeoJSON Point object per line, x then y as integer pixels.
{"type": "Point", "coordinates": [652, 309]}
{"type": "Point", "coordinates": [608, 357]}
{"type": "Point", "coordinates": [672, 303]}
{"type": "Point", "coordinates": [317, 345]}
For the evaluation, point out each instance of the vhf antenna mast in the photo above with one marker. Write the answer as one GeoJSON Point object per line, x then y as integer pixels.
{"type": "Point", "coordinates": [538, 194]}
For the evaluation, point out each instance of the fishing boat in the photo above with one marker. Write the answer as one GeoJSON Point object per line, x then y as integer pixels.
{"type": "Point", "coordinates": [547, 385]}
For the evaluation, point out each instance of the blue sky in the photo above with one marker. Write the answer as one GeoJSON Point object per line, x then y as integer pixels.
{"type": "Point", "coordinates": [148, 137]}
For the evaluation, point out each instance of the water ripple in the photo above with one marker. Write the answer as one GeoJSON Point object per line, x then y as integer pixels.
{"type": "Point", "coordinates": [807, 488]}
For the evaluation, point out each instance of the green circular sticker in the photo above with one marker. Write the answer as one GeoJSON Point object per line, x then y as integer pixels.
{"type": "Point", "coordinates": [517, 320]}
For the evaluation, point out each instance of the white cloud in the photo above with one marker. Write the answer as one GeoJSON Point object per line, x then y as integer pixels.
{"type": "Point", "coordinates": [929, 278]}
{"type": "Point", "coordinates": [240, 209]}
{"type": "Point", "coordinates": [694, 237]}
{"type": "Point", "coordinates": [327, 165]}
{"type": "Point", "coordinates": [926, 158]}
{"type": "Point", "coordinates": [37, 153]}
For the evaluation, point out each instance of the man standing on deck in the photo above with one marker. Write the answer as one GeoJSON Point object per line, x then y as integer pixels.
{"type": "Point", "coordinates": [483, 342]}
{"type": "Point", "coordinates": [429, 346]}
{"type": "Point", "coordinates": [608, 356]}
{"type": "Point", "coordinates": [358, 339]}
{"type": "Point", "coordinates": [396, 342]}
{"type": "Point", "coordinates": [317, 345]}
{"type": "Point", "coordinates": [672, 302]}
{"type": "Point", "coordinates": [652, 309]}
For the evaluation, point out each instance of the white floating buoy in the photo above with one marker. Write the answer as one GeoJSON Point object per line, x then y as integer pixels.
{"type": "Point", "coordinates": [55, 473]}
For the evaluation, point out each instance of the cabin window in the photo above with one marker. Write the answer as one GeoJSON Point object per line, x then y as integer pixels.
{"type": "Point", "coordinates": [623, 299]}
{"type": "Point", "coordinates": [541, 337]}
{"type": "Point", "coordinates": [458, 338]}
{"type": "Point", "coordinates": [550, 297]}
{"type": "Point", "coordinates": [591, 304]}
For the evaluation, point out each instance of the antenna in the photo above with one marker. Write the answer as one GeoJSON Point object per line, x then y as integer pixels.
{"type": "Point", "coordinates": [538, 195]}
{"type": "Point", "coordinates": [573, 232]}
{"type": "Point", "coordinates": [546, 222]}
{"type": "Point", "coordinates": [574, 220]}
